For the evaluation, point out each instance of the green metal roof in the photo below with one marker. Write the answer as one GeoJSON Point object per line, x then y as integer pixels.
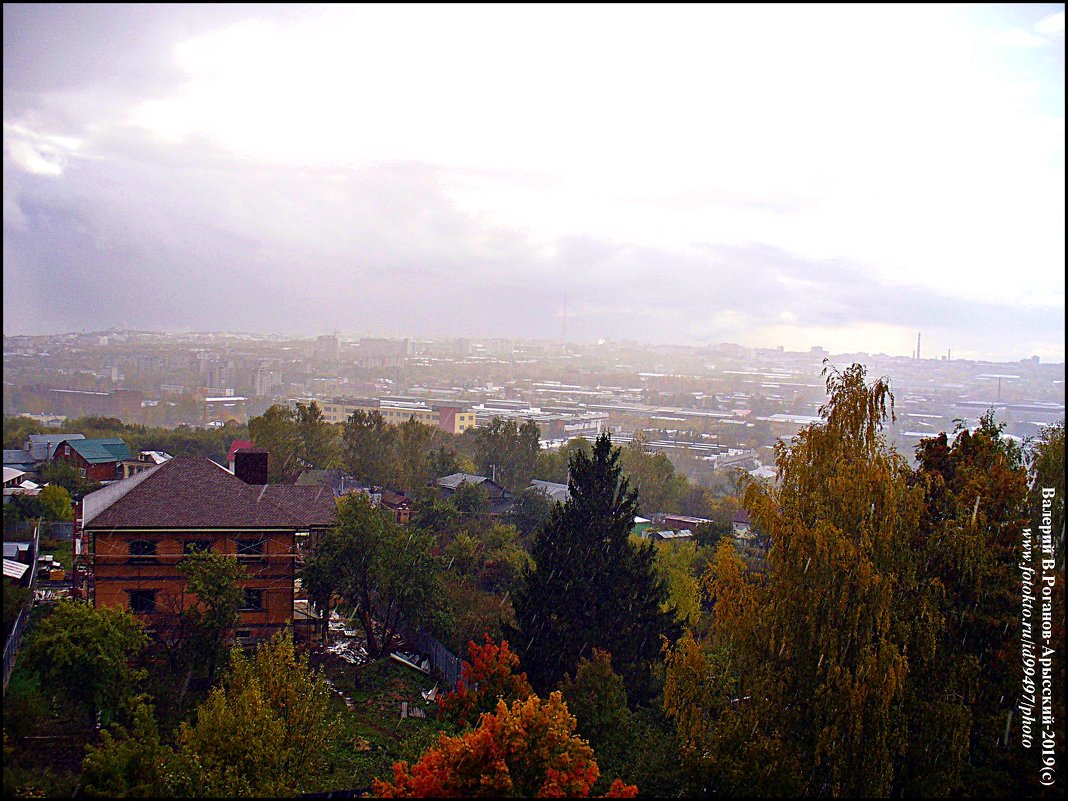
{"type": "Point", "coordinates": [96, 451]}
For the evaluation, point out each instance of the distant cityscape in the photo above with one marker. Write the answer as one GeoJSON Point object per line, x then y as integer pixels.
{"type": "Point", "coordinates": [705, 407]}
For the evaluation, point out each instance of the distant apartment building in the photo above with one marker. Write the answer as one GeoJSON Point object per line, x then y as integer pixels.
{"type": "Point", "coordinates": [327, 348]}
{"type": "Point", "coordinates": [450, 418]}
{"type": "Point", "coordinates": [382, 352]}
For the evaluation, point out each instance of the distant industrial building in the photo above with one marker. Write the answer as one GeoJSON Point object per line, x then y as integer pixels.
{"type": "Point", "coordinates": [557, 426]}
{"type": "Point", "coordinates": [121, 403]}
{"type": "Point", "coordinates": [217, 411]}
{"type": "Point", "coordinates": [448, 417]}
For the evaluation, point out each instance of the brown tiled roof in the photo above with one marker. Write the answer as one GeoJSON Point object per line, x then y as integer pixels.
{"type": "Point", "coordinates": [315, 505]}
{"type": "Point", "coordinates": [194, 492]}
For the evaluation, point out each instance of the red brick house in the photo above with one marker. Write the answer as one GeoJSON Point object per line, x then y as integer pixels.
{"type": "Point", "coordinates": [140, 528]}
{"type": "Point", "coordinates": [96, 459]}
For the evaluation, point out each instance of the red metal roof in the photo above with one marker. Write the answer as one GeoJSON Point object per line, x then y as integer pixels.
{"type": "Point", "coordinates": [237, 444]}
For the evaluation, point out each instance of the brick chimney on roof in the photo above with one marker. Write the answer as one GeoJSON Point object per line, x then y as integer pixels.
{"type": "Point", "coordinates": [250, 465]}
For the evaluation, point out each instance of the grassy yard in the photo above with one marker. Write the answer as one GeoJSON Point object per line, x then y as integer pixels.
{"type": "Point", "coordinates": [62, 551]}
{"type": "Point", "coordinates": [373, 734]}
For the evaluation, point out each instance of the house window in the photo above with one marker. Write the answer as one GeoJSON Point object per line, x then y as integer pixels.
{"type": "Point", "coordinates": [143, 551]}
{"type": "Point", "coordinates": [250, 550]}
{"type": "Point", "coordinates": [244, 634]}
{"type": "Point", "coordinates": [142, 600]}
{"type": "Point", "coordinates": [189, 546]}
{"type": "Point", "coordinates": [253, 600]}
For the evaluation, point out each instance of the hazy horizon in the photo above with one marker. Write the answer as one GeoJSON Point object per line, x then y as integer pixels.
{"type": "Point", "coordinates": [352, 336]}
{"type": "Point", "coordinates": [787, 175]}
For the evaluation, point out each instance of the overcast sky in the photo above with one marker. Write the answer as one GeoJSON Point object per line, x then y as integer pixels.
{"type": "Point", "coordinates": [782, 175]}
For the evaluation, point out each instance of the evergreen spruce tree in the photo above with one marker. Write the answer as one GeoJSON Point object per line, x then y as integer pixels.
{"type": "Point", "coordinates": [590, 587]}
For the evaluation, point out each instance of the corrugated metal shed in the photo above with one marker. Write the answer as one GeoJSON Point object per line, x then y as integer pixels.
{"type": "Point", "coordinates": [13, 569]}
{"type": "Point", "coordinates": [10, 474]}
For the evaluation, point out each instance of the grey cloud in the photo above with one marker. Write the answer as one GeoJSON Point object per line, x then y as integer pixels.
{"type": "Point", "coordinates": [209, 241]}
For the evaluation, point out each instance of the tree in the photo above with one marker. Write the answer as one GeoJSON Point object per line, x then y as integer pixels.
{"type": "Point", "coordinates": [975, 492]}
{"type": "Point", "coordinates": [386, 572]}
{"type": "Point", "coordinates": [653, 476]}
{"type": "Point", "coordinates": [553, 465]}
{"type": "Point", "coordinates": [265, 732]}
{"type": "Point", "coordinates": [590, 586]}
{"type": "Point", "coordinates": [83, 655]}
{"type": "Point", "coordinates": [411, 460]}
{"type": "Point", "coordinates": [523, 751]}
{"type": "Point", "coordinates": [675, 562]}
{"type": "Point", "coordinates": [368, 446]}
{"type": "Point", "coordinates": [65, 475]}
{"type": "Point", "coordinates": [1047, 472]}
{"type": "Point", "coordinates": [530, 510]}
{"type": "Point", "coordinates": [470, 499]}
{"type": "Point", "coordinates": [55, 503]}
{"type": "Point", "coordinates": [598, 699]}
{"type": "Point", "coordinates": [442, 462]}
{"type": "Point", "coordinates": [434, 515]}
{"type": "Point", "coordinates": [698, 694]}
{"type": "Point", "coordinates": [18, 428]}
{"type": "Point", "coordinates": [130, 761]}
{"type": "Point", "coordinates": [508, 452]}
{"type": "Point", "coordinates": [318, 442]}
{"type": "Point", "coordinates": [24, 507]}
{"type": "Point", "coordinates": [276, 431]}
{"type": "Point", "coordinates": [491, 675]}
{"type": "Point", "coordinates": [15, 600]}
{"type": "Point", "coordinates": [262, 733]}
{"type": "Point", "coordinates": [821, 643]}
{"type": "Point", "coordinates": [213, 581]}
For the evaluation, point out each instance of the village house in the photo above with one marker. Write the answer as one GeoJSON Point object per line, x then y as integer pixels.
{"type": "Point", "coordinates": [139, 529]}
{"type": "Point", "coordinates": [95, 459]}
{"type": "Point", "coordinates": [500, 499]}
{"type": "Point", "coordinates": [42, 446]}
{"type": "Point", "coordinates": [145, 460]}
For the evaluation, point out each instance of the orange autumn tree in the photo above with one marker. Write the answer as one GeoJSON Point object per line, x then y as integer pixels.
{"type": "Point", "coordinates": [528, 750]}
{"type": "Point", "coordinates": [491, 675]}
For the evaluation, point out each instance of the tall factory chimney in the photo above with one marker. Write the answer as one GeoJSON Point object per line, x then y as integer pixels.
{"type": "Point", "coordinates": [917, 345]}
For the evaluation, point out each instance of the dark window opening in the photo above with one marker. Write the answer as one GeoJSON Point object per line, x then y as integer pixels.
{"type": "Point", "coordinates": [143, 551]}
{"type": "Point", "coordinates": [142, 600]}
{"type": "Point", "coordinates": [189, 546]}
{"type": "Point", "coordinates": [253, 600]}
{"type": "Point", "coordinates": [250, 549]}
